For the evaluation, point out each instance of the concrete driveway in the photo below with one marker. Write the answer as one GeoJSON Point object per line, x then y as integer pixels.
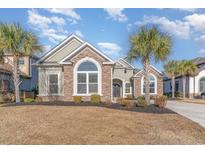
{"type": "Point", "coordinates": [195, 112]}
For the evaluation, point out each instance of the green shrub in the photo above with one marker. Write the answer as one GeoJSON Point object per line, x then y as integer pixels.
{"type": "Point", "coordinates": [176, 94]}
{"type": "Point", "coordinates": [128, 103]}
{"type": "Point", "coordinates": [77, 99]}
{"type": "Point", "coordinates": [161, 101]}
{"type": "Point", "coordinates": [95, 99]}
{"type": "Point", "coordinates": [141, 102]}
{"type": "Point", "coordinates": [29, 100]}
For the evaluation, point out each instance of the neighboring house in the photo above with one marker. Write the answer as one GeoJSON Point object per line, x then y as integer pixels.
{"type": "Point", "coordinates": [28, 73]}
{"type": "Point", "coordinates": [77, 68]}
{"type": "Point", "coordinates": [194, 85]}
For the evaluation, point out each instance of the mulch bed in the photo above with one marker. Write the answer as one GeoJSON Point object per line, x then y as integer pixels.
{"type": "Point", "coordinates": [149, 109]}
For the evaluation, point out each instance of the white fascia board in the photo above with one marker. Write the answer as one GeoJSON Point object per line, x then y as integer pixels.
{"type": "Point", "coordinates": [127, 63]}
{"type": "Point", "coordinates": [121, 63]}
{"type": "Point", "coordinates": [82, 46]}
{"type": "Point", "coordinates": [108, 63]}
{"type": "Point", "coordinates": [138, 73]}
{"type": "Point", "coordinates": [156, 69]}
{"type": "Point", "coordinates": [59, 45]}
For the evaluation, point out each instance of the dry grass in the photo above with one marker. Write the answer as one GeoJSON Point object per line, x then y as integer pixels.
{"type": "Point", "coordinates": [94, 125]}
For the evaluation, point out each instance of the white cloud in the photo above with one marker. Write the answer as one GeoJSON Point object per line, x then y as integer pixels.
{"type": "Point", "coordinates": [176, 27]}
{"type": "Point", "coordinates": [202, 51]}
{"type": "Point", "coordinates": [58, 20]}
{"type": "Point", "coordinates": [42, 24]}
{"type": "Point", "coordinates": [37, 20]}
{"type": "Point", "coordinates": [46, 48]}
{"type": "Point", "coordinates": [116, 14]}
{"type": "Point", "coordinates": [111, 49]}
{"type": "Point", "coordinates": [129, 27]}
{"type": "Point", "coordinates": [70, 13]}
{"type": "Point", "coordinates": [53, 35]}
{"type": "Point", "coordinates": [197, 21]}
{"type": "Point", "coordinates": [201, 39]}
{"type": "Point", "coordinates": [79, 33]}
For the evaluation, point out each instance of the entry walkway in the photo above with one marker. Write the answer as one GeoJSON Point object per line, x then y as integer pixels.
{"type": "Point", "coordinates": [195, 112]}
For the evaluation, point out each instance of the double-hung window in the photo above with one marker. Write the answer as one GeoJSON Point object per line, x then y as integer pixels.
{"type": "Point", "coordinates": [53, 85]}
{"type": "Point", "coordinates": [127, 88]}
{"type": "Point", "coordinates": [87, 78]}
{"type": "Point", "coordinates": [202, 84]}
{"type": "Point", "coordinates": [151, 85]}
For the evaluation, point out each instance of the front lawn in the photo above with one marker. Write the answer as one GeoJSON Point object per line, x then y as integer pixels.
{"type": "Point", "coordinates": [41, 124]}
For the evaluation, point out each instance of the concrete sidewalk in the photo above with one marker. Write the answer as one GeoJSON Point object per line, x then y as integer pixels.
{"type": "Point", "coordinates": [195, 112]}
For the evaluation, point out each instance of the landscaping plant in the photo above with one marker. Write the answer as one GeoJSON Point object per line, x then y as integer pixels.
{"type": "Point", "coordinates": [29, 100]}
{"type": "Point", "coordinates": [149, 44]}
{"type": "Point", "coordinates": [77, 99]}
{"type": "Point", "coordinates": [95, 99]}
{"type": "Point", "coordinates": [16, 41]}
{"type": "Point", "coordinates": [161, 101]}
{"type": "Point", "coordinates": [141, 102]}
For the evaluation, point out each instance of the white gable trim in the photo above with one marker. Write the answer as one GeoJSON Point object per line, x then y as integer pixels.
{"type": "Point", "coordinates": [155, 84]}
{"type": "Point", "coordinates": [157, 70]}
{"type": "Point", "coordinates": [127, 63]}
{"type": "Point", "coordinates": [59, 46]}
{"type": "Point", "coordinates": [152, 68]}
{"type": "Point", "coordinates": [81, 47]}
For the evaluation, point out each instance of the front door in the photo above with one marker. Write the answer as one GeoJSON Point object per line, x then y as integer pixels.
{"type": "Point", "coordinates": [116, 90]}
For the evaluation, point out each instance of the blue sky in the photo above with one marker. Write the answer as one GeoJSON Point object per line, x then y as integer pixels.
{"type": "Point", "coordinates": [109, 29]}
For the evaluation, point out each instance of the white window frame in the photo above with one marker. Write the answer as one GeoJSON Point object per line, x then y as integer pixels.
{"type": "Point", "coordinates": [75, 93]}
{"type": "Point", "coordinates": [21, 59]}
{"type": "Point", "coordinates": [48, 84]}
{"type": "Point", "coordinates": [200, 84]}
{"type": "Point", "coordinates": [155, 83]}
{"type": "Point", "coordinates": [130, 88]}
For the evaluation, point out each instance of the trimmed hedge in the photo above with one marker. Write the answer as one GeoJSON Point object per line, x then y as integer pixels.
{"type": "Point", "coordinates": [141, 102]}
{"type": "Point", "coordinates": [95, 99]}
{"type": "Point", "coordinates": [29, 100]}
{"type": "Point", "coordinates": [77, 99]}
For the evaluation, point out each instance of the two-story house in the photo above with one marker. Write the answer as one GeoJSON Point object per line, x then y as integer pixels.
{"type": "Point", "coordinates": [28, 73]}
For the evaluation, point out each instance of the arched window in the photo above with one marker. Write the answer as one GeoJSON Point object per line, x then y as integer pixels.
{"type": "Point", "coordinates": [152, 86]}
{"type": "Point", "coordinates": [87, 78]}
{"type": "Point", "coordinates": [202, 84]}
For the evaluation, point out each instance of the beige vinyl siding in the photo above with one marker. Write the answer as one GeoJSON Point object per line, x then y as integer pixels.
{"type": "Point", "coordinates": [64, 51]}
{"type": "Point", "coordinates": [43, 79]}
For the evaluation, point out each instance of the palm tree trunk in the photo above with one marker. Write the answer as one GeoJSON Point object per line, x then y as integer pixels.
{"type": "Point", "coordinates": [16, 78]}
{"type": "Point", "coordinates": [147, 82]}
{"type": "Point", "coordinates": [184, 86]}
{"type": "Point", "coordinates": [173, 86]}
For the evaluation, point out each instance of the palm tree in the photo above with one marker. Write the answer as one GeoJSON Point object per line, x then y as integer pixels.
{"type": "Point", "coordinates": [16, 41]}
{"type": "Point", "coordinates": [147, 44]}
{"type": "Point", "coordinates": [186, 68]}
{"type": "Point", "coordinates": [171, 69]}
